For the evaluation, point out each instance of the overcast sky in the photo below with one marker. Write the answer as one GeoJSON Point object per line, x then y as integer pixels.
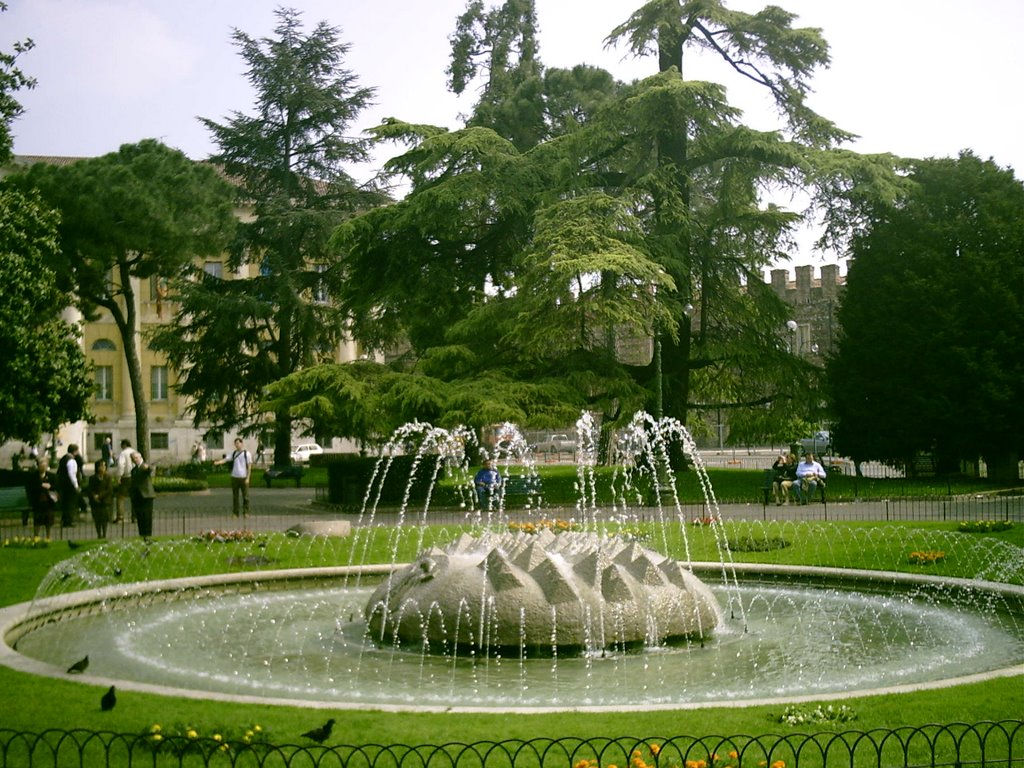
{"type": "Point", "coordinates": [919, 78]}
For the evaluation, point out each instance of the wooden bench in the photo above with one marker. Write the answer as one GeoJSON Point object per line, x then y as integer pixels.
{"type": "Point", "coordinates": [293, 472]}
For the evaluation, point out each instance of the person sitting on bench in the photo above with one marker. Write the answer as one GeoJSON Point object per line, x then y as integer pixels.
{"type": "Point", "coordinates": [809, 474]}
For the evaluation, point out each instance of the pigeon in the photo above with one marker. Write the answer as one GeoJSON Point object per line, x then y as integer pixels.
{"type": "Point", "coordinates": [109, 700]}
{"type": "Point", "coordinates": [79, 666]}
{"type": "Point", "coordinates": [73, 544]}
{"type": "Point", "coordinates": [319, 735]}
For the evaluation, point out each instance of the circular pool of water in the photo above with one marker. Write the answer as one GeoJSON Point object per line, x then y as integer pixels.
{"type": "Point", "coordinates": [306, 643]}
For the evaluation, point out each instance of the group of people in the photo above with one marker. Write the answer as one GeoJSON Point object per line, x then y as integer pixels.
{"type": "Point", "coordinates": [803, 478]}
{"type": "Point", "coordinates": [129, 476]}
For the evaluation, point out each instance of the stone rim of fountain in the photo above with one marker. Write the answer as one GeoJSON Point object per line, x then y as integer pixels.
{"type": "Point", "coordinates": [17, 619]}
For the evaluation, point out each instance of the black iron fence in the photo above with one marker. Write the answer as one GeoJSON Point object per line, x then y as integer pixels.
{"type": "Point", "coordinates": [956, 744]}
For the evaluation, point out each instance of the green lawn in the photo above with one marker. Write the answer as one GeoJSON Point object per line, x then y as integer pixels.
{"type": "Point", "coordinates": [35, 704]}
{"type": "Point", "coordinates": [730, 485]}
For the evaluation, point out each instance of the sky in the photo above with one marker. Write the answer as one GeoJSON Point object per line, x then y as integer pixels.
{"type": "Point", "coordinates": [918, 78]}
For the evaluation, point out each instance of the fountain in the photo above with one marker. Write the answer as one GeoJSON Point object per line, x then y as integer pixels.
{"type": "Point", "coordinates": [492, 616]}
{"type": "Point", "coordinates": [518, 590]}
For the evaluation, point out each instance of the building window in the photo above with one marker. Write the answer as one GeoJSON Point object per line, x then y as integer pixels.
{"type": "Point", "coordinates": [158, 288]}
{"type": "Point", "coordinates": [159, 441]}
{"type": "Point", "coordinates": [214, 269]}
{"type": "Point", "coordinates": [158, 382]}
{"type": "Point", "coordinates": [104, 382]}
{"type": "Point", "coordinates": [104, 345]}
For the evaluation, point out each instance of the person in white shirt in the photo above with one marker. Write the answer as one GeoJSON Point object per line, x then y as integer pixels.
{"type": "Point", "coordinates": [241, 473]}
{"type": "Point", "coordinates": [69, 486]}
{"type": "Point", "coordinates": [809, 473]}
{"type": "Point", "coordinates": [123, 473]}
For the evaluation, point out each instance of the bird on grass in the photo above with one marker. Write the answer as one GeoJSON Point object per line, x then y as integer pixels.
{"type": "Point", "coordinates": [79, 666]}
{"type": "Point", "coordinates": [109, 700]}
{"type": "Point", "coordinates": [319, 735]}
{"type": "Point", "coordinates": [73, 544]}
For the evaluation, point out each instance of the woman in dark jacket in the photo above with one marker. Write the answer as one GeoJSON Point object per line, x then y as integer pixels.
{"type": "Point", "coordinates": [142, 494]}
{"type": "Point", "coordinates": [42, 496]}
{"type": "Point", "coordinates": [101, 497]}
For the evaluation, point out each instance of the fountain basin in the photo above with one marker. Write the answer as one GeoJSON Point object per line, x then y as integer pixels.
{"type": "Point", "coordinates": [298, 637]}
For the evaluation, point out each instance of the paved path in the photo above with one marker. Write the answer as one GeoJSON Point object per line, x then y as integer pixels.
{"type": "Point", "coordinates": [277, 509]}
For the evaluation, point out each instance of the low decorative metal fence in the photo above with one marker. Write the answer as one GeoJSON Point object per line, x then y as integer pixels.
{"type": "Point", "coordinates": [986, 743]}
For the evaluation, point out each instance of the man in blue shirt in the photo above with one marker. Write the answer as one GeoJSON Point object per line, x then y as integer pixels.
{"type": "Point", "coordinates": [487, 483]}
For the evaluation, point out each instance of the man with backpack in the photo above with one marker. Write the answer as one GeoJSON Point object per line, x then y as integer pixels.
{"type": "Point", "coordinates": [241, 473]}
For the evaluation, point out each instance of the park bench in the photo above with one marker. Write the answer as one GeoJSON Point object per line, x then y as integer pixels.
{"type": "Point", "coordinates": [293, 472]}
{"type": "Point", "coordinates": [766, 488]}
{"type": "Point", "coordinates": [13, 501]}
{"type": "Point", "coordinates": [520, 486]}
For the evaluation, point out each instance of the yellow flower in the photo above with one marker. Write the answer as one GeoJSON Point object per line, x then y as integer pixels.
{"type": "Point", "coordinates": [779, 764]}
{"type": "Point", "coordinates": [155, 728]}
{"type": "Point", "coordinates": [224, 747]}
{"type": "Point", "coordinates": [218, 737]}
{"type": "Point", "coordinates": [191, 733]}
{"type": "Point", "coordinates": [156, 737]}
{"type": "Point", "coordinates": [655, 748]}
{"type": "Point", "coordinates": [733, 754]}
{"type": "Point", "coordinates": [257, 728]}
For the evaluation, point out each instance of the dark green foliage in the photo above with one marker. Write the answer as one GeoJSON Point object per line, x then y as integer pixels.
{"type": "Point", "coordinates": [234, 337]}
{"type": "Point", "coordinates": [931, 357]}
{"type": "Point", "coordinates": [12, 79]}
{"type": "Point", "coordinates": [553, 251]}
{"type": "Point", "coordinates": [45, 380]}
{"type": "Point", "coordinates": [143, 212]}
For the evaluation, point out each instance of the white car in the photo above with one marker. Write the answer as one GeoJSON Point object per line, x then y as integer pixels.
{"type": "Point", "coordinates": [301, 453]}
{"type": "Point", "coordinates": [556, 444]}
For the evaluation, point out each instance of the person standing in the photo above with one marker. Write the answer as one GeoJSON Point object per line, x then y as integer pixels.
{"type": "Point", "coordinates": [107, 452]}
{"type": "Point", "coordinates": [69, 487]}
{"type": "Point", "coordinates": [40, 489]}
{"type": "Point", "coordinates": [123, 471]}
{"type": "Point", "coordinates": [241, 473]}
{"type": "Point", "coordinates": [142, 494]}
{"type": "Point", "coordinates": [101, 497]}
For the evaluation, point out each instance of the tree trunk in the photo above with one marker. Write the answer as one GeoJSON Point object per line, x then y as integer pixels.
{"type": "Point", "coordinates": [128, 324]}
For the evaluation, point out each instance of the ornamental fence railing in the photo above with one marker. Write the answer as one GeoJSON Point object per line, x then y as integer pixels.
{"type": "Point", "coordinates": [956, 744]}
{"type": "Point", "coordinates": [174, 517]}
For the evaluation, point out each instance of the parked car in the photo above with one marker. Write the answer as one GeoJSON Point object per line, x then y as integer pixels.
{"type": "Point", "coordinates": [555, 444]}
{"type": "Point", "coordinates": [819, 444]}
{"type": "Point", "coordinates": [301, 453]}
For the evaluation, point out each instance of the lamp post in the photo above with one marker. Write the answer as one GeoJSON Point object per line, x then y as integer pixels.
{"type": "Point", "coordinates": [793, 327]}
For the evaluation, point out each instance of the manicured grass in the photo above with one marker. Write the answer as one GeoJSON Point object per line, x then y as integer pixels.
{"type": "Point", "coordinates": [31, 703]}
{"type": "Point", "coordinates": [560, 482]}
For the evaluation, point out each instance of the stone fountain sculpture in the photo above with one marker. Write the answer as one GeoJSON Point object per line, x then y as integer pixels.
{"type": "Point", "coordinates": [537, 592]}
